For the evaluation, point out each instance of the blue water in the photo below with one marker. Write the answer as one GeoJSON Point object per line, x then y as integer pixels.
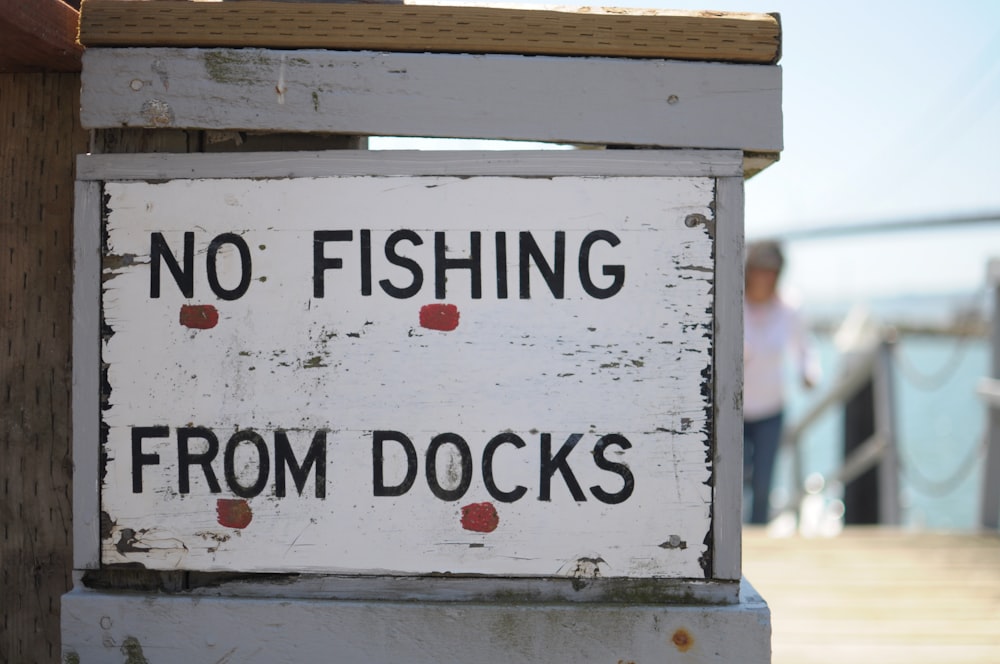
{"type": "Point", "coordinates": [940, 419]}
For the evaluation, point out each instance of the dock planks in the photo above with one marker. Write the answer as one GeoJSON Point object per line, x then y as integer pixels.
{"type": "Point", "coordinates": [879, 595]}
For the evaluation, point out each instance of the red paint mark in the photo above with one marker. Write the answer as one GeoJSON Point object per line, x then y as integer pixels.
{"type": "Point", "coordinates": [480, 517]}
{"type": "Point", "coordinates": [233, 512]}
{"type": "Point", "coordinates": [442, 317]}
{"type": "Point", "coordinates": [199, 316]}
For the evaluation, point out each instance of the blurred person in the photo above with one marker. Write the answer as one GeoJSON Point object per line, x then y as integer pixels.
{"type": "Point", "coordinates": [772, 330]}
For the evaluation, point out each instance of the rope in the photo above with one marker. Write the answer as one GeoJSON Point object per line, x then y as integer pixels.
{"type": "Point", "coordinates": [939, 488]}
{"type": "Point", "coordinates": [939, 378]}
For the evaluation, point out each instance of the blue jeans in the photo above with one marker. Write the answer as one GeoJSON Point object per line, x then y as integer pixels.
{"type": "Point", "coordinates": [760, 448]}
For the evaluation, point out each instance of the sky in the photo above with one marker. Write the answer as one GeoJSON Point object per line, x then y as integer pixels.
{"type": "Point", "coordinates": [891, 113]}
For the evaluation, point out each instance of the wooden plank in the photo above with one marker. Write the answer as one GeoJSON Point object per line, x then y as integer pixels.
{"type": "Point", "coordinates": [99, 627]}
{"type": "Point", "coordinates": [879, 594]}
{"type": "Point", "coordinates": [634, 163]}
{"type": "Point", "coordinates": [728, 378]}
{"type": "Point", "coordinates": [669, 103]}
{"type": "Point", "coordinates": [86, 374]}
{"type": "Point", "coordinates": [717, 36]}
{"type": "Point", "coordinates": [755, 162]}
{"type": "Point", "coordinates": [39, 36]}
{"type": "Point", "coordinates": [989, 496]}
{"type": "Point", "coordinates": [883, 390]}
{"type": "Point", "coordinates": [40, 137]}
{"type": "Point", "coordinates": [465, 589]}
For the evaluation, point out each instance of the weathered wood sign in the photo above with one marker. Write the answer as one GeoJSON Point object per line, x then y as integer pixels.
{"type": "Point", "coordinates": [365, 374]}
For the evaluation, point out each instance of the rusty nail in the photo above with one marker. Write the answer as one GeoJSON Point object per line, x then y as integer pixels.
{"type": "Point", "coordinates": [683, 640]}
{"type": "Point", "coordinates": [693, 220]}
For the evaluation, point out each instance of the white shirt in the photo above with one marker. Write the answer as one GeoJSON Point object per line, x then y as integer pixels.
{"type": "Point", "coordinates": [770, 330]}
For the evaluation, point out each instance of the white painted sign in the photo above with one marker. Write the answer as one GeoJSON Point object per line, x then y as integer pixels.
{"type": "Point", "coordinates": [410, 375]}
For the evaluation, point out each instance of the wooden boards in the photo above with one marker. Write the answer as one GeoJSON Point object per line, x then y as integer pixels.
{"type": "Point", "coordinates": [261, 630]}
{"type": "Point", "coordinates": [879, 595]}
{"type": "Point", "coordinates": [575, 100]}
{"type": "Point", "coordinates": [715, 36]}
{"type": "Point", "coordinates": [354, 365]}
{"type": "Point", "coordinates": [405, 70]}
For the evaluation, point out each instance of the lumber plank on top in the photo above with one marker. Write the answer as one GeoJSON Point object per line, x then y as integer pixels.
{"type": "Point", "coordinates": [703, 35]}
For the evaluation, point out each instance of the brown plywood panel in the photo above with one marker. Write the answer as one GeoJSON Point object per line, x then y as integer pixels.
{"type": "Point", "coordinates": [38, 145]}
{"type": "Point", "coordinates": [38, 36]}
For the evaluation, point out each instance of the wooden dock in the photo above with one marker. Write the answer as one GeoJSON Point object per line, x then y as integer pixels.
{"type": "Point", "coordinates": [879, 595]}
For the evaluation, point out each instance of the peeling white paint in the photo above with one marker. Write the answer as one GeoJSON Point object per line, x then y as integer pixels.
{"type": "Point", "coordinates": [280, 358]}
{"type": "Point", "coordinates": [281, 88]}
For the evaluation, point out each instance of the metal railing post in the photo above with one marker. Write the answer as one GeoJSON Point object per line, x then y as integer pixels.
{"type": "Point", "coordinates": [989, 507]}
{"type": "Point", "coordinates": [889, 511]}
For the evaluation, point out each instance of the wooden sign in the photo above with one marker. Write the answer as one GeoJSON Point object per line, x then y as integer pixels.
{"type": "Point", "coordinates": [409, 375]}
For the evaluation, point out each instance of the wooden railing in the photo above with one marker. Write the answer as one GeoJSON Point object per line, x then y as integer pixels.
{"type": "Point", "coordinates": [862, 365]}
{"type": "Point", "coordinates": [873, 362]}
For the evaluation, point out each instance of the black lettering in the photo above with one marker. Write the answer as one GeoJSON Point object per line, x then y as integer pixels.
{"type": "Point", "coordinates": [466, 477]}
{"type": "Point", "coordinates": [403, 262]}
{"type": "Point", "coordinates": [366, 262]}
{"type": "Point", "coordinates": [321, 263]}
{"type": "Point", "coordinates": [616, 272]}
{"type": "Point", "coordinates": [138, 458]}
{"type": "Point", "coordinates": [501, 239]}
{"type": "Point", "coordinates": [488, 452]}
{"type": "Point", "coordinates": [184, 278]}
{"type": "Point", "coordinates": [316, 456]}
{"type": "Point", "coordinates": [185, 459]}
{"type": "Point", "coordinates": [550, 464]}
{"type": "Point", "coordinates": [442, 264]}
{"type": "Point", "coordinates": [554, 275]}
{"type": "Point", "coordinates": [378, 459]}
{"type": "Point", "coordinates": [619, 469]}
{"type": "Point", "coordinates": [246, 268]}
{"type": "Point", "coordinates": [263, 464]}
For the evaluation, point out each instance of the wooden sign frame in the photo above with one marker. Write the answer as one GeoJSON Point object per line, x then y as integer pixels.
{"type": "Point", "coordinates": [719, 582]}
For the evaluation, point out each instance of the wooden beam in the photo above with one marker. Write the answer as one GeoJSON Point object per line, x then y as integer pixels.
{"type": "Point", "coordinates": [712, 36]}
{"type": "Point", "coordinates": [38, 36]}
{"type": "Point", "coordinates": [260, 630]}
{"type": "Point", "coordinates": [755, 162]}
{"type": "Point", "coordinates": [609, 101]}
{"type": "Point", "coordinates": [38, 142]}
{"type": "Point", "coordinates": [464, 163]}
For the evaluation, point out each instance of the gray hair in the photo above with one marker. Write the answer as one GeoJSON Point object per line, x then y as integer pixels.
{"type": "Point", "coordinates": [765, 255]}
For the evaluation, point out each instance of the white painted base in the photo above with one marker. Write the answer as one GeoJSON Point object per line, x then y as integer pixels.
{"type": "Point", "coordinates": [164, 629]}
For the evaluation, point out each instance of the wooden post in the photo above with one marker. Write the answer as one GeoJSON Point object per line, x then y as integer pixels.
{"type": "Point", "coordinates": [989, 508]}
{"type": "Point", "coordinates": [862, 495]}
{"type": "Point", "coordinates": [872, 496]}
{"type": "Point", "coordinates": [38, 143]}
{"type": "Point", "coordinates": [39, 138]}
{"type": "Point", "coordinates": [889, 512]}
